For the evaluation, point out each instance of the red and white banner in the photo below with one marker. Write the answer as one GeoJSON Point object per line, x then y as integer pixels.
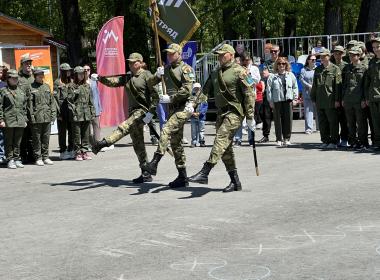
{"type": "Point", "coordinates": [110, 61]}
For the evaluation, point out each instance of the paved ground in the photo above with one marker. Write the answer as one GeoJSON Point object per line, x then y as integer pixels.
{"type": "Point", "coordinates": [311, 215]}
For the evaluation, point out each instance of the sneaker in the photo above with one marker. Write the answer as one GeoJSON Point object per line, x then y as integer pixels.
{"type": "Point", "coordinates": [263, 140]}
{"type": "Point", "coordinates": [308, 132]}
{"type": "Point", "coordinates": [11, 164]}
{"type": "Point", "coordinates": [48, 161]}
{"type": "Point", "coordinates": [108, 148]}
{"type": "Point", "coordinates": [40, 162]}
{"type": "Point", "coordinates": [323, 146]}
{"type": "Point", "coordinates": [287, 143]}
{"type": "Point", "coordinates": [19, 164]}
{"type": "Point", "coordinates": [65, 155]}
{"type": "Point", "coordinates": [332, 146]}
{"type": "Point", "coordinates": [193, 145]}
{"type": "Point", "coordinates": [279, 143]}
{"type": "Point", "coordinates": [79, 157]}
{"type": "Point", "coordinates": [202, 144]}
{"type": "Point", "coordinates": [185, 141]}
{"type": "Point", "coordinates": [86, 156]}
{"type": "Point", "coordinates": [343, 144]}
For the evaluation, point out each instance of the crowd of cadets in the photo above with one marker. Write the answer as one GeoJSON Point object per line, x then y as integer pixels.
{"type": "Point", "coordinates": [28, 107]}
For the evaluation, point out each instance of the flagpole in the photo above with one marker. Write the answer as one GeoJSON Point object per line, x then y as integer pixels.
{"type": "Point", "coordinates": [157, 41]}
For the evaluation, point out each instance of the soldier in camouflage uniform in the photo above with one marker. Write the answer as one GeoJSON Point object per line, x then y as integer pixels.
{"type": "Point", "coordinates": [25, 79]}
{"type": "Point", "coordinates": [372, 91]}
{"type": "Point", "coordinates": [63, 121]}
{"type": "Point", "coordinates": [41, 112]}
{"type": "Point", "coordinates": [233, 89]}
{"type": "Point", "coordinates": [13, 118]}
{"type": "Point", "coordinates": [143, 99]}
{"type": "Point", "coordinates": [325, 92]}
{"type": "Point", "coordinates": [179, 78]}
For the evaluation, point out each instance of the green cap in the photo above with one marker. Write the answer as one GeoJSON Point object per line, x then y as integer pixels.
{"type": "Point", "coordinates": [325, 52]}
{"type": "Point", "coordinates": [355, 50]}
{"type": "Point", "coordinates": [226, 48]}
{"type": "Point", "coordinates": [375, 40]}
{"type": "Point", "coordinates": [38, 71]}
{"type": "Point", "coordinates": [25, 58]}
{"type": "Point", "coordinates": [79, 69]}
{"type": "Point", "coordinates": [352, 42]}
{"type": "Point", "coordinates": [338, 49]}
{"type": "Point", "coordinates": [133, 57]}
{"type": "Point", "coordinates": [173, 48]}
{"type": "Point", "coordinates": [65, 67]}
{"type": "Point", "coordinates": [12, 73]}
{"type": "Point", "coordinates": [361, 45]}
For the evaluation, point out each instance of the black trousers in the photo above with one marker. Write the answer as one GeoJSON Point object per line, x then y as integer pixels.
{"type": "Point", "coordinates": [266, 115]}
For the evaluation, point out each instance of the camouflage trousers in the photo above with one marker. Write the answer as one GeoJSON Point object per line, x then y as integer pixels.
{"type": "Point", "coordinates": [226, 127]}
{"type": "Point", "coordinates": [173, 132]}
{"type": "Point", "coordinates": [134, 126]}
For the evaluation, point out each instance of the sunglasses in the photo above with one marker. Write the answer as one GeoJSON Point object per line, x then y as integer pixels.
{"type": "Point", "coordinates": [87, 70]}
{"type": "Point", "coordinates": [281, 63]}
{"type": "Point", "coordinates": [312, 59]}
{"type": "Point", "coordinates": [274, 51]}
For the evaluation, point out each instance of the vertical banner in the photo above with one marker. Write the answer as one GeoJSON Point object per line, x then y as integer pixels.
{"type": "Point", "coordinates": [110, 62]}
{"type": "Point", "coordinates": [41, 58]}
{"type": "Point", "coordinates": [189, 53]}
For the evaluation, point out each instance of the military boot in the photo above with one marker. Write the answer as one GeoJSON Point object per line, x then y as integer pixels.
{"type": "Point", "coordinates": [144, 177]}
{"type": "Point", "coordinates": [151, 167]}
{"type": "Point", "coordinates": [181, 181]}
{"type": "Point", "coordinates": [235, 184]}
{"type": "Point", "coordinates": [202, 176]}
{"type": "Point", "coordinates": [99, 145]}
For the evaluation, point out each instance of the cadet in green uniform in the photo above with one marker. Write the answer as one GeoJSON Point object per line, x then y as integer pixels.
{"type": "Point", "coordinates": [25, 79]}
{"type": "Point", "coordinates": [41, 112]}
{"type": "Point", "coordinates": [63, 121]}
{"type": "Point", "coordinates": [233, 90]}
{"type": "Point", "coordinates": [143, 99]}
{"type": "Point", "coordinates": [82, 111]}
{"type": "Point", "coordinates": [325, 93]}
{"type": "Point", "coordinates": [338, 53]}
{"type": "Point", "coordinates": [13, 118]}
{"type": "Point", "coordinates": [372, 91]}
{"type": "Point", "coordinates": [179, 78]}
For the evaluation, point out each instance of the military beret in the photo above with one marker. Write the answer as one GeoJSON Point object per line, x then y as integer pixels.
{"type": "Point", "coordinates": [65, 67]}
{"type": "Point", "coordinates": [355, 50]}
{"type": "Point", "coordinates": [133, 57]}
{"type": "Point", "coordinates": [173, 48]}
{"type": "Point", "coordinates": [38, 71]}
{"type": "Point", "coordinates": [25, 58]}
{"type": "Point", "coordinates": [375, 40]}
{"type": "Point", "coordinates": [79, 69]}
{"type": "Point", "coordinates": [12, 73]}
{"type": "Point", "coordinates": [226, 48]}
{"type": "Point", "coordinates": [338, 49]}
{"type": "Point", "coordinates": [325, 52]}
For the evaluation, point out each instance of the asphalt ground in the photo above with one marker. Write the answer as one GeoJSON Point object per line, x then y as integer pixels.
{"type": "Point", "coordinates": [311, 214]}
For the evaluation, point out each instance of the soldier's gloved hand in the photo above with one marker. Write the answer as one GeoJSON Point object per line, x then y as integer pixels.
{"type": "Point", "coordinates": [251, 124]}
{"type": "Point", "coordinates": [148, 117]}
{"type": "Point", "coordinates": [94, 77]}
{"type": "Point", "coordinates": [2, 124]}
{"type": "Point", "coordinates": [160, 72]}
{"type": "Point", "coordinates": [164, 99]}
{"type": "Point", "coordinates": [189, 107]}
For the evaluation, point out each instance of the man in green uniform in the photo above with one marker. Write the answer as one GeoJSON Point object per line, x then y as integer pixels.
{"type": "Point", "coordinates": [353, 100]}
{"type": "Point", "coordinates": [338, 54]}
{"type": "Point", "coordinates": [232, 87]}
{"type": "Point", "coordinates": [13, 118]}
{"type": "Point", "coordinates": [25, 79]}
{"type": "Point", "coordinates": [179, 78]}
{"type": "Point", "coordinates": [143, 99]}
{"type": "Point", "coordinates": [372, 91]}
{"type": "Point", "coordinates": [41, 112]}
{"type": "Point", "coordinates": [325, 93]}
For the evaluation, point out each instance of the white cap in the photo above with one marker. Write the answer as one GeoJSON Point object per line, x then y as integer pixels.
{"type": "Point", "coordinates": [197, 85]}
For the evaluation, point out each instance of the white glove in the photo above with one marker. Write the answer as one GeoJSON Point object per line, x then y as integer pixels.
{"type": "Point", "coordinates": [251, 124]}
{"type": "Point", "coordinates": [189, 107]}
{"type": "Point", "coordinates": [164, 99]}
{"type": "Point", "coordinates": [160, 72]}
{"type": "Point", "coordinates": [148, 118]}
{"type": "Point", "coordinates": [94, 77]}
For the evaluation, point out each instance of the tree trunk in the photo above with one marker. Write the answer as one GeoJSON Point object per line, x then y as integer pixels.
{"type": "Point", "coordinates": [227, 14]}
{"type": "Point", "coordinates": [369, 19]}
{"type": "Point", "coordinates": [333, 17]}
{"type": "Point", "coordinates": [73, 30]}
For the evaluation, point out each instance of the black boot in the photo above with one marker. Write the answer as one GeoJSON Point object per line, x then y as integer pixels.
{"type": "Point", "coordinates": [99, 145]}
{"type": "Point", "coordinates": [235, 184]}
{"type": "Point", "coordinates": [202, 143]}
{"type": "Point", "coordinates": [144, 177]}
{"type": "Point", "coordinates": [151, 167]}
{"type": "Point", "coordinates": [181, 181]}
{"type": "Point", "coordinates": [202, 176]}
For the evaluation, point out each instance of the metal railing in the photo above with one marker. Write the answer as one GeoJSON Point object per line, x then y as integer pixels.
{"type": "Point", "coordinates": [343, 39]}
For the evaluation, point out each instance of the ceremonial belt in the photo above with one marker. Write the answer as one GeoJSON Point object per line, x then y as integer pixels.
{"type": "Point", "coordinates": [178, 84]}
{"type": "Point", "coordinates": [224, 91]}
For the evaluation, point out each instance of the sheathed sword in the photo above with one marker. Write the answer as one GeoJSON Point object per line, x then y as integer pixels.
{"type": "Point", "coordinates": [254, 154]}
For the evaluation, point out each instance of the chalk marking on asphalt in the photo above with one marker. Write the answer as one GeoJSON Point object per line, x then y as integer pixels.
{"type": "Point", "coordinates": [191, 266]}
{"type": "Point", "coordinates": [112, 252]}
{"type": "Point", "coordinates": [213, 270]}
{"type": "Point", "coordinates": [360, 228]}
{"type": "Point", "coordinates": [156, 243]}
{"type": "Point", "coordinates": [309, 236]}
{"type": "Point", "coordinates": [260, 249]}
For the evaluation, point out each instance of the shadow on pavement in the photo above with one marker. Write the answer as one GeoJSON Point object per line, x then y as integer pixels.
{"type": "Point", "coordinates": [195, 192]}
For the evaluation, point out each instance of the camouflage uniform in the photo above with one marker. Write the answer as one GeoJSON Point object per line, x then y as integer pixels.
{"type": "Point", "coordinates": [232, 88]}
{"type": "Point", "coordinates": [41, 111]}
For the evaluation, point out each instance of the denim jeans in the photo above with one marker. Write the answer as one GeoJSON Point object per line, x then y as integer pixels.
{"type": "Point", "coordinates": [197, 131]}
{"type": "Point", "coordinates": [2, 151]}
{"type": "Point", "coordinates": [310, 113]}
